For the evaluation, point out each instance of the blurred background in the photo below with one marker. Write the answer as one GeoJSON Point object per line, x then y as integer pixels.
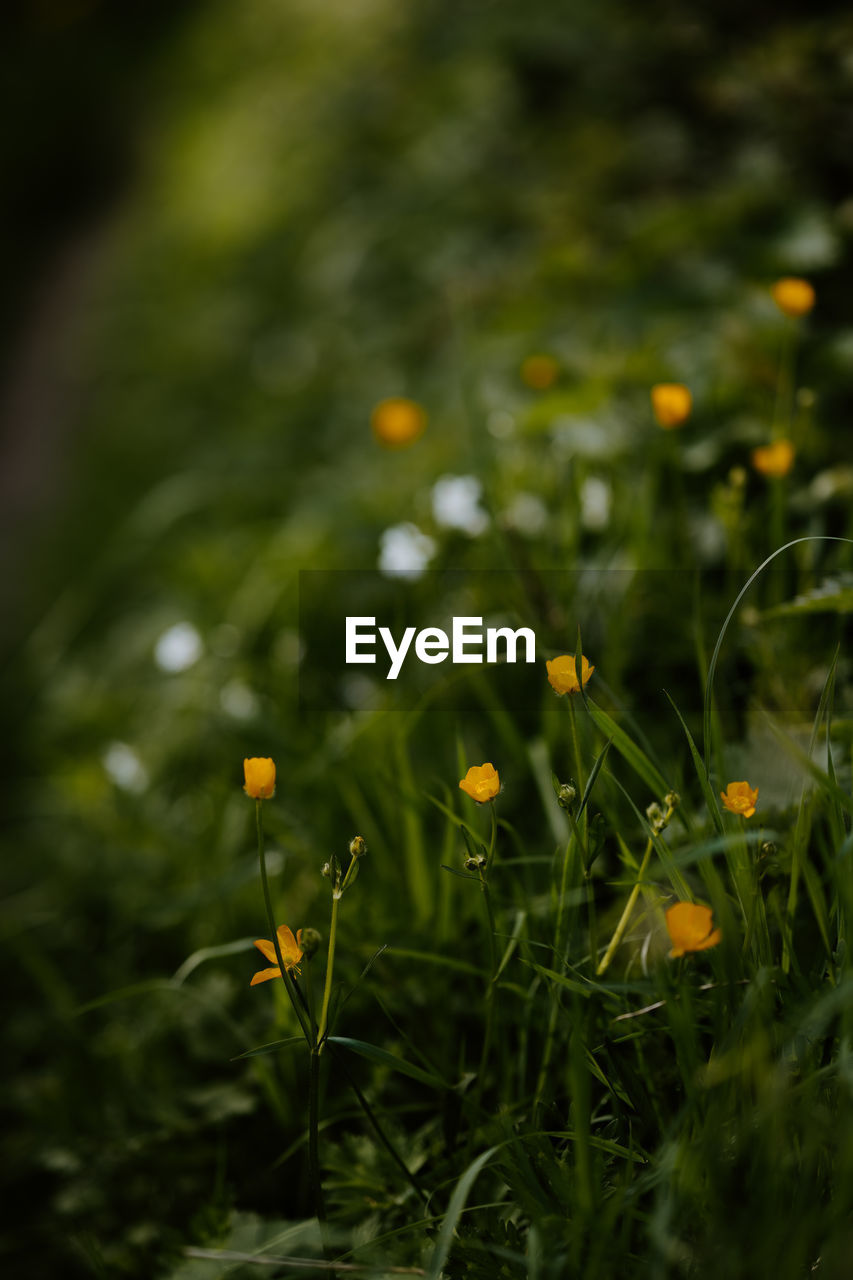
{"type": "Point", "coordinates": [229, 231]}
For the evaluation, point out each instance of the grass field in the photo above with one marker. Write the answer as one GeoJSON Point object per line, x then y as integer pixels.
{"type": "Point", "coordinates": [538, 314]}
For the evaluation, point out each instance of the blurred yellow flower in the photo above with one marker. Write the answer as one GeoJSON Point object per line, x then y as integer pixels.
{"type": "Point", "coordinates": [260, 777]}
{"type": "Point", "coordinates": [774, 459]}
{"type": "Point", "coordinates": [793, 296]}
{"type": "Point", "coordinates": [740, 797]}
{"type": "Point", "coordinates": [689, 925]}
{"type": "Point", "coordinates": [398, 422]}
{"type": "Point", "coordinates": [562, 675]}
{"type": "Point", "coordinates": [481, 782]}
{"type": "Point", "coordinates": [291, 954]}
{"type": "Point", "coordinates": [671, 403]}
{"type": "Point", "coordinates": [540, 372]}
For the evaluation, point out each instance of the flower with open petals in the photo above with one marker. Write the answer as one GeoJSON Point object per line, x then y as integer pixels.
{"type": "Point", "coordinates": [398, 422]}
{"type": "Point", "coordinates": [260, 777]}
{"type": "Point", "coordinates": [540, 372]}
{"type": "Point", "coordinates": [774, 459]}
{"type": "Point", "coordinates": [291, 954]}
{"type": "Point", "coordinates": [793, 296]}
{"type": "Point", "coordinates": [690, 928]}
{"type": "Point", "coordinates": [481, 782]}
{"type": "Point", "coordinates": [562, 675]}
{"type": "Point", "coordinates": [671, 403]}
{"type": "Point", "coordinates": [740, 797]}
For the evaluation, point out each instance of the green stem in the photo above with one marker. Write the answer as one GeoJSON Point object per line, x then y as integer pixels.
{"type": "Point", "coordinates": [626, 914]}
{"type": "Point", "coordinates": [576, 747]}
{"type": "Point", "coordinates": [330, 964]}
{"type": "Point", "coordinates": [493, 952]}
{"type": "Point", "coordinates": [288, 981]}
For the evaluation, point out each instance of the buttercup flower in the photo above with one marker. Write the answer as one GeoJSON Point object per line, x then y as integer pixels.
{"type": "Point", "coordinates": [774, 459]}
{"type": "Point", "coordinates": [793, 296]}
{"type": "Point", "coordinates": [260, 777]}
{"type": "Point", "coordinates": [740, 797]}
{"type": "Point", "coordinates": [398, 422]}
{"type": "Point", "coordinates": [689, 926]}
{"type": "Point", "coordinates": [481, 782]}
{"type": "Point", "coordinates": [562, 675]}
{"type": "Point", "coordinates": [540, 372]}
{"type": "Point", "coordinates": [671, 403]}
{"type": "Point", "coordinates": [291, 954]}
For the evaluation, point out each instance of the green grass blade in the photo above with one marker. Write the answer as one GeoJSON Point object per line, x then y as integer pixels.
{"type": "Point", "coordinates": [701, 771]}
{"type": "Point", "coordinates": [385, 1059]}
{"type": "Point", "coordinates": [457, 1203]}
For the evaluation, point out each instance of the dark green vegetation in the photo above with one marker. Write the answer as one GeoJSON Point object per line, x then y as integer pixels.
{"type": "Point", "coordinates": [332, 204]}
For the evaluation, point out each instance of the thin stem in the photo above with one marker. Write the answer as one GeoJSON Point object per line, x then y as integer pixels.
{"type": "Point", "coordinates": [313, 1136]}
{"type": "Point", "coordinates": [493, 951]}
{"type": "Point", "coordinates": [330, 964]}
{"type": "Point", "coordinates": [576, 747]}
{"type": "Point", "coordinates": [288, 981]}
{"type": "Point", "coordinates": [625, 918]}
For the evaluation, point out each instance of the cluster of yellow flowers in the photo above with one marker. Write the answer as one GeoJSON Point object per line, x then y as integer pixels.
{"type": "Point", "coordinates": [689, 924]}
{"type": "Point", "coordinates": [672, 402]}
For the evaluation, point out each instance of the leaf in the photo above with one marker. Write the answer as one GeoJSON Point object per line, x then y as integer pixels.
{"type": "Point", "coordinates": [831, 596]}
{"type": "Point", "coordinates": [463, 875]}
{"type": "Point", "coordinates": [454, 1211]}
{"type": "Point", "coordinates": [385, 1059]}
{"type": "Point", "coordinates": [272, 1047]}
{"type": "Point", "coordinates": [593, 774]}
{"type": "Point", "coordinates": [701, 771]}
{"type": "Point", "coordinates": [628, 749]}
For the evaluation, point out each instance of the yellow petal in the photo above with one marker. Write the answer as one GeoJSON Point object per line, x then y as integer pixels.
{"type": "Point", "coordinates": [259, 773]}
{"type": "Point", "coordinates": [264, 975]}
{"type": "Point", "coordinates": [266, 948]}
{"type": "Point", "coordinates": [689, 925]}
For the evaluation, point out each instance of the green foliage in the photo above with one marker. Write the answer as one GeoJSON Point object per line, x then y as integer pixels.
{"type": "Point", "coordinates": [334, 205]}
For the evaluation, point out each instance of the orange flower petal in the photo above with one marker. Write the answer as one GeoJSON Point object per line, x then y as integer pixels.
{"type": "Point", "coordinates": [689, 925]}
{"type": "Point", "coordinates": [793, 296]}
{"type": "Point", "coordinates": [562, 674]}
{"type": "Point", "coordinates": [266, 948]}
{"type": "Point", "coordinates": [264, 975]}
{"type": "Point", "coordinates": [481, 782]}
{"type": "Point", "coordinates": [259, 772]}
{"type": "Point", "coordinates": [740, 798]}
{"type": "Point", "coordinates": [671, 404]}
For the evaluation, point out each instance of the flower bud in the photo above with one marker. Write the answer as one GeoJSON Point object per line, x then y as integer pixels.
{"type": "Point", "coordinates": [327, 870]}
{"type": "Point", "coordinates": [310, 941]}
{"type": "Point", "coordinates": [657, 818]}
{"type": "Point", "coordinates": [358, 846]}
{"type": "Point", "coordinates": [672, 799]}
{"type": "Point", "coordinates": [566, 795]}
{"type": "Point", "coordinates": [259, 773]}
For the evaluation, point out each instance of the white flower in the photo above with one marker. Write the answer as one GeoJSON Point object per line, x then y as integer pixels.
{"type": "Point", "coordinates": [178, 647]}
{"type": "Point", "coordinates": [596, 497]}
{"type": "Point", "coordinates": [527, 513]}
{"type": "Point", "coordinates": [404, 551]}
{"type": "Point", "coordinates": [456, 504]}
{"type": "Point", "coordinates": [124, 767]}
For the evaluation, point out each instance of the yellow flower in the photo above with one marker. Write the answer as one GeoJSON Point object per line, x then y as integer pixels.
{"type": "Point", "coordinates": [793, 296]}
{"type": "Point", "coordinates": [481, 782]}
{"type": "Point", "coordinates": [739, 797]}
{"type": "Point", "coordinates": [671, 403]}
{"type": "Point", "coordinates": [291, 954]}
{"type": "Point", "coordinates": [774, 459]}
{"type": "Point", "coordinates": [260, 777]}
{"type": "Point", "coordinates": [689, 925]}
{"type": "Point", "coordinates": [398, 422]}
{"type": "Point", "coordinates": [540, 372]}
{"type": "Point", "coordinates": [562, 675]}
